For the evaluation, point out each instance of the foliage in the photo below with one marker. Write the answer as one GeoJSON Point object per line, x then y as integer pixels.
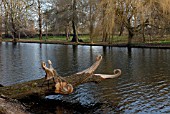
{"type": "Point", "coordinates": [140, 20]}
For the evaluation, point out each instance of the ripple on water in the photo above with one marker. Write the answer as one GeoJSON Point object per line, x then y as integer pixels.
{"type": "Point", "coordinates": [143, 96]}
{"type": "Point", "coordinates": [143, 87]}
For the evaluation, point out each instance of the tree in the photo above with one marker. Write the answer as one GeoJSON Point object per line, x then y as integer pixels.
{"type": "Point", "coordinates": [75, 37]}
{"type": "Point", "coordinates": [138, 15]}
{"type": "Point", "coordinates": [134, 15]}
{"type": "Point", "coordinates": [67, 15]}
{"type": "Point", "coordinates": [100, 18]}
{"type": "Point", "coordinates": [159, 18]}
{"type": "Point", "coordinates": [1, 23]}
{"type": "Point", "coordinates": [91, 21]}
{"type": "Point", "coordinates": [128, 15]}
{"type": "Point", "coordinates": [6, 21]}
{"type": "Point", "coordinates": [16, 16]}
{"type": "Point", "coordinates": [59, 17]}
{"type": "Point", "coordinates": [104, 19]}
{"type": "Point", "coordinates": [39, 19]}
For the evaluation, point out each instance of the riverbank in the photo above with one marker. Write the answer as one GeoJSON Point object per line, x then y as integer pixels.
{"type": "Point", "coordinates": [11, 106]}
{"type": "Point", "coordinates": [133, 45]}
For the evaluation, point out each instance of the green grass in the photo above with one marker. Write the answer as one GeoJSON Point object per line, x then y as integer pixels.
{"type": "Point", "coordinates": [61, 38]}
{"type": "Point", "coordinates": [119, 39]}
{"type": "Point", "coordinates": [163, 42]}
{"type": "Point", "coordinates": [86, 38]}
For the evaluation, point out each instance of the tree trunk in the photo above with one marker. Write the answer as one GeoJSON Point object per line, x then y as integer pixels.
{"type": "Point", "coordinates": [67, 33]}
{"type": "Point", "coordinates": [46, 30]}
{"type": "Point", "coordinates": [13, 24]}
{"type": "Point", "coordinates": [26, 89]}
{"type": "Point", "coordinates": [104, 27]}
{"type": "Point", "coordinates": [121, 30]}
{"type": "Point", "coordinates": [40, 20]}
{"type": "Point", "coordinates": [6, 22]}
{"type": "Point", "coordinates": [1, 23]}
{"type": "Point", "coordinates": [75, 38]}
{"type": "Point", "coordinates": [91, 22]}
{"type": "Point", "coordinates": [130, 36]}
{"type": "Point", "coordinates": [14, 31]}
{"type": "Point", "coordinates": [143, 34]}
{"type": "Point", "coordinates": [0, 27]}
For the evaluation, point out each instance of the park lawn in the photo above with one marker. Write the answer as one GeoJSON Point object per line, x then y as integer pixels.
{"type": "Point", "coordinates": [60, 38]}
{"type": "Point", "coordinates": [86, 39]}
{"type": "Point", "coordinates": [163, 42]}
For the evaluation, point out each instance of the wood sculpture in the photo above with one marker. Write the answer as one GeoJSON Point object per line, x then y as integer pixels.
{"type": "Point", "coordinates": [63, 86]}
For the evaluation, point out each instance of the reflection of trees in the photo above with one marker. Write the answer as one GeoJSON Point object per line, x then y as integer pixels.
{"type": "Point", "coordinates": [91, 54]}
{"type": "Point", "coordinates": [104, 51]}
{"type": "Point", "coordinates": [11, 60]}
{"type": "Point", "coordinates": [75, 58]}
{"type": "Point", "coordinates": [129, 52]}
{"type": "Point", "coordinates": [148, 65]}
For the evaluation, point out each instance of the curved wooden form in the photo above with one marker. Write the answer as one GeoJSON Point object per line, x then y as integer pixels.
{"type": "Point", "coordinates": [91, 69]}
{"type": "Point", "coordinates": [117, 72]}
{"type": "Point", "coordinates": [63, 88]}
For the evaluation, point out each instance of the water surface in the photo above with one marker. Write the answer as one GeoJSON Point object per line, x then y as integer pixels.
{"type": "Point", "coordinates": [144, 86]}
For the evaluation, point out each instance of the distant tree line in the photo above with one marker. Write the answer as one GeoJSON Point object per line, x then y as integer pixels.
{"type": "Point", "coordinates": [98, 18]}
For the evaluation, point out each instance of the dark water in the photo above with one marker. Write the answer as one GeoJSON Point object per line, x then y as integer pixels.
{"type": "Point", "coordinates": [144, 86]}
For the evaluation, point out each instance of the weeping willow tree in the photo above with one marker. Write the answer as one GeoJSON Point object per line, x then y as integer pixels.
{"type": "Point", "coordinates": [134, 15]}
{"type": "Point", "coordinates": [122, 12]}
{"type": "Point", "coordinates": [160, 15]}
{"type": "Point", "coordinates": [105, 18]}
{"type": "Point", "coordinates": [92, 8]}
{"type": "Point", "coordinates": [137, 16]}
{"type": "Point", "coordinates": [108, 19]}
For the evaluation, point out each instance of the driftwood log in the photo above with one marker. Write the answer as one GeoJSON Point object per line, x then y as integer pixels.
{"type": "Point", "coordinates": [36, 87]}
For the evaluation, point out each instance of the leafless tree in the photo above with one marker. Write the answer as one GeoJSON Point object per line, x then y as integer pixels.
{"type": "Point", "coordinates": [15, 15]}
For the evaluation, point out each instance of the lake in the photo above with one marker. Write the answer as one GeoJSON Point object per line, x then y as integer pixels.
{"type": "Point", "coordinates": [143, 87]}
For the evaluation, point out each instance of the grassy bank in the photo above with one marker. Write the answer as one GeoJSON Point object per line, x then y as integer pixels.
{"type": "Point", "coordinates": [114, 41]}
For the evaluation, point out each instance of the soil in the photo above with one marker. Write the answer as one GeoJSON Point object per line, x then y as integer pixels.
{"type": "Point", "coordinates": [11, 106]}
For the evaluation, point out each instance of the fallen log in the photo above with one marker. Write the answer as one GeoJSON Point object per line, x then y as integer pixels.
{"type": "Point", "coordinates": [34, 87]}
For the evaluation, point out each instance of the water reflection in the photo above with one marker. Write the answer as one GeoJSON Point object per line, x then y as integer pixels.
{"type": "Point", "coordinates": [144, 86]}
